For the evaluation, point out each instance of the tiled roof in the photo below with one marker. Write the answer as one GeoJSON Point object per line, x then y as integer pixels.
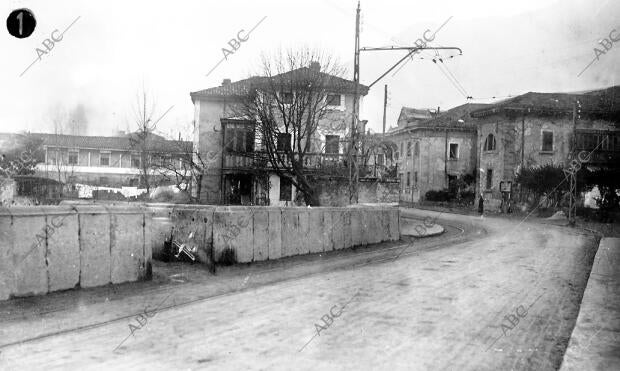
{"type": "Point", "coordinates": [242, 87]}
{"type": "Point", "coordinates": [605, 102]}
{"type": "Point", "coordinates": [408, 114]}
{"type": "Point", "coordinates": [447, 119]}
{"type": "Point", "coordinates": [451, 117]}
{"type": "Point", "coordinates": [237, 88]}
{"type": "Point", "coordinates": [124, 143]}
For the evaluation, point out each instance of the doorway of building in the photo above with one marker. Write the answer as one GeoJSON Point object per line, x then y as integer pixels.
{"type": "Point", "coordinates": [238, 189]}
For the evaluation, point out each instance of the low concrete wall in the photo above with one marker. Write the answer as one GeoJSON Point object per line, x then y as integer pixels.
{"type": "Point", "coordinates": [51, 248]}
{"type": "Point", "coordinates": [260, 233]}
{"type": "Point", "coordinates": [595, 341]}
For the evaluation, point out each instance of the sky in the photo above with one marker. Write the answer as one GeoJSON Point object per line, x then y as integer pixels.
{"type": "Point", "coordinates": [115, 49]}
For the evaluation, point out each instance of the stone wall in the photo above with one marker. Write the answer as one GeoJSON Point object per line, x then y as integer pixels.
{"type": "Point", "coordinates": [260, 233]}
{"type": "Point", "coordinates": [52, 248]}
{"type": "Point", "coordinates": [335, 192]}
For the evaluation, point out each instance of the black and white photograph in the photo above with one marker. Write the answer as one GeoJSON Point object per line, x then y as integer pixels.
{"type": "Point", "coordinates": [310, 185]}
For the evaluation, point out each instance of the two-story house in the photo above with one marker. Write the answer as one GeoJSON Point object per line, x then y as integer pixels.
{"type": "Point", "coordinates": [109, 161]}
{"type": "Point", "coordinates": [242, 173]}
{"type": "Point", "coordinates": [434, 152]}
{"type": "Point", "coordinates": [545, 128]}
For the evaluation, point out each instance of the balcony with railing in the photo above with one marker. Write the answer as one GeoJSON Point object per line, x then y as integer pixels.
{"type": "Point", "coordinates": [320, 163]}
{"type": "Point", "coordinates": [260, 160]}
{"type": "Point", "coordinates": [602, 146]}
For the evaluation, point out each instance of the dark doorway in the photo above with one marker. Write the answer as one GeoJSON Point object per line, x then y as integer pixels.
{"type": "Point", "coordinates": [238, 189]}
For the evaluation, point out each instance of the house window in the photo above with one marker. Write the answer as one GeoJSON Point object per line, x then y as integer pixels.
{"type": "Point", "coordinates": [73, 158]}
{"type": "Point", "coordinates": [489, 143]}
{"type": "Point", "coordinates": [103, 180]}
{"type": "Point", "coordinates": [380, 159]}
{"type": "Point", "coordinates": [547, 141]}
{"type": "Point", "coordinates": [104, 159]}
{"type": "Point", "coordinates": [408, 179]}
{"type": "Point", "coordinates": [284, 142]}
{"type": "Point", "coordinates": [333, 100]}
{"type": "Point", "coordinates": [135, 161]}
{"type": "Point", "coordinates": [286, 189]}
{"type": "Point", "coordinates": [415, 178]}
{"type": "Point", "coordinates": [416, 149]}
{"type": "Point", "coordinates": [287, 98]}
{"type": "Point", "coordinates": [332, 144]}
{"type": "Point", "coordinates": [408, 149]}
{"type": "Point", "coordinates": [454, 151]}
{"type": "Point", "coordinates": [489, 178]}
{"type": "Point", "coordinates": [239, 138]}
{"type": "Point", "coordinates": [133, 182]}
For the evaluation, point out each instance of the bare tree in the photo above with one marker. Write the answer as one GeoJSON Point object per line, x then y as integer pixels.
{"type": "Point", "coordinates": [61, 125]}
{"type": "Point", "coordinates": [188, 167]}
{"type": "Point", "coordinates": [141, 140]}
{"type": "Point", "coordinates": [59, 118]}
{"type": "Point", "coordinates": [372, 146]}
{"type": "Point", "coordinates": [288, 105]}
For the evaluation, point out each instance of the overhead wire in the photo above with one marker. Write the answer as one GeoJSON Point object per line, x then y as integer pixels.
{"type": "Point", "coordinates": [451, 74]}
{"type": "Point", "coordinates": [451, 81]}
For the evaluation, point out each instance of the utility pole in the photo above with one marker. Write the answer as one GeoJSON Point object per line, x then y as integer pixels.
{"type": "Point", "coordinates": [353, 170]}
{"type": "Point", "coordinates": [384, 108]}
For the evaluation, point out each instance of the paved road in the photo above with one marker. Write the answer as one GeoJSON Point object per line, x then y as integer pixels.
{"type": "Point", "coordinates": [506, 299]}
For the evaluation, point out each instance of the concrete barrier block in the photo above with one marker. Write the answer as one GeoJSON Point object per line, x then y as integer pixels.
{"type": "Point", "coordinates": [94, 249]}
{"type": "Point", "coordinates": [328, 230]}
{"type": "Point", "coordinates": [233, 228]}
{"type": "Point", "coordinates": [338, 229]}
{"type": "Point", "coordinates": [275, 233]}
{"type": "Point", "coordinates": [374, 219]}
{"type": "Point", "coordinates": [291, 238]}
{"type": "Point", "coordinates": [30, 248]}
{"type": "Point", "coordinates": [63, 252]}
{"type": "Point", "coordinates": [7, 262]}
{"type": "Point", "coordinates": [365, 227]}
{"type": "Point", "coordinates": [219, 237]}
{"type": "Point", "coordinates": [347, 230]}
{"type": "Point", "coordinates": [126, 246]}
{"type": "Point", "coordinates": [385, 225]}
{"type": "Point", "coordinates": [357, 235]}
{"type": "Point", "coordinates": [394, 225]}
{"type": "Point", "coordinates": [314, 230]}
{"type": "Point", "coordinates": [261, 235]}
{"type": "Point", "coordinates": [289, 222]}
{"type": "Point", "coordinates": [304, 232]}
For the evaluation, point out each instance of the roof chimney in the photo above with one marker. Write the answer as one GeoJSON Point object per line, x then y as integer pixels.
{"type": "Point", "coordinates": [315, 66]}
{"type": "Point", "coordinates": [226, 82]}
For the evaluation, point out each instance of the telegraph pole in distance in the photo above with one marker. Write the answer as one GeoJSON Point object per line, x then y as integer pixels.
{"type": "Point", "coordinates": [353, 170]}
{"type": "Point", "coordinates": [384, 108]}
